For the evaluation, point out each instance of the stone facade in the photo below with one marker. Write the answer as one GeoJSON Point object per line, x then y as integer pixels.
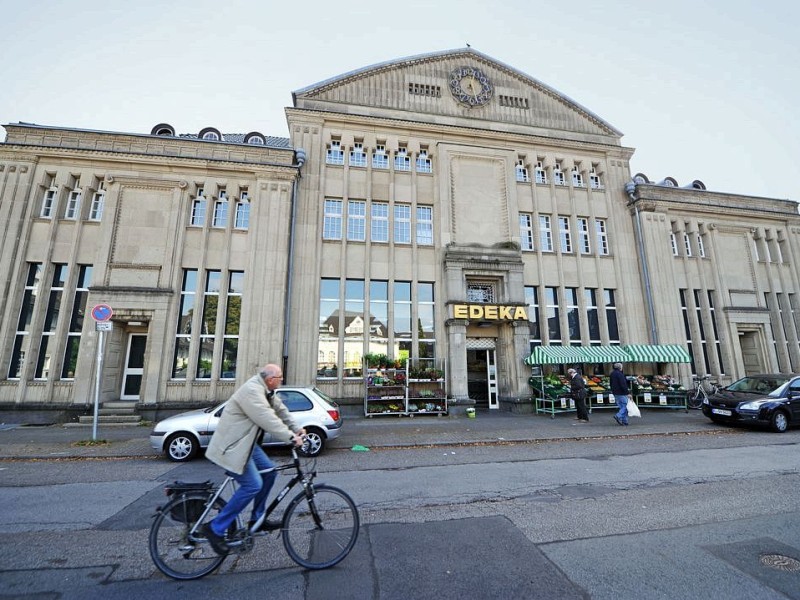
{"type": "Point", "coordinates": [450, 171]}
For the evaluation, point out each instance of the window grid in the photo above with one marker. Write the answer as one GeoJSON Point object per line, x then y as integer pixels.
{"type": "Point", "coordinates": [45, 363]}
{"type": "Point", "coordinates": [354, 327]}
{"type": "Point", "coordinates": [701, 248]}
{"type": "Point", "coordinates": [558, 175]}
{"type": "Point", "coordinates": [180, 362]}
{"type": "Point", "coordinates": [335, 155]}
{"type": "Point", "coordinates": [480, 292]}
{"type": "Point", "coordinates": [573, 314]}
{"type": "Point", "coordinates": [379, 222]}
{"type": "Point", "coordinates": [540, 173]}
{"type": "Point", "coordinates": [526, 232]}
{"type": "Point", "coordinates": [552, 315]}
{"type": "Point", "coordinates": [522, 171]}
{"type": "Point", "coordinates": [424, 226]}
{"type": "Point", "coordinates": [70, 363]}
{"type": "Point", "coordinates": [611, 316]}
{"type": "Point", "coordinates": [592, 315]}
{"type": "Point", "coordinates": [98, 204]}
{"type": "Point", "coordinates": [73, 204]}
{"type": "Point", "coordinates": [584, 237]}
{"type": "Point", "coordinates": [332, 226]}
{"type": "Point", "coordinates": [424, 164]}
{"type": "Point", "coordinates": [703, 340]}
{"type": "Point", "coordinates": [221, 211]}
{"type": "Point", "coordinates": [242, 216]}
{"type": "Point", "coordinates": [230, 336]}
{"type": "Point", "coordinates": [564, 234]}
{"type": "Point", "coordinates": [199, 210]}
{"type": "Point", "coordinates": [673, 241]}
{"type": "Point", "coordinates": [594, 180]}
{"type": "Point", "coordinates": [208, 325]}
{"type": "Point", "coordinates": [534, 324]}
{"type": "Point", "coordinates": [715, 331]}
{"type": "Point", "coordinates": [402, 162]}
{"type": "Point", "coordinates": [358, 158]}
{"type": "Point", "coordinates": [545, 234]}
{"type": "Point", "coordinates": [602, 237]}
{"type": "Point", "coordinates": [402, 223]}
{"type": "Point", "coordinates": [687, 330]}
{"type": "Point", "coordinates": [356, 220]}
{"type": "Point", "coordinates": [577, 178]}
{"type": "Point", "coordinates": [687, 245]}
{"type": "Point", "coordinates": [49, 202]}
{"type": "Point", "coordinates": [380, 160]}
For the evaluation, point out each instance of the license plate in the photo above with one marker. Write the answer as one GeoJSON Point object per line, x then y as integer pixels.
{"type": "Point", "coordinates": [721, 411]}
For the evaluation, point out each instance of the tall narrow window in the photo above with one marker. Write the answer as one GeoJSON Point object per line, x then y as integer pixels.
{"type": "Point", "coordinates": [592, 315]}
{"type": "Point", "coordinates": [221, 211]}
{"type": "Point", "coordinates": [199, 209]}
{"type": "Point", "coordinates": [73, 208]}
{"type": "Point", "coordinates": [687, 330]}
{"type": "Point", "coordinates": [354, 327]}
{"type": "Point", "coordinates": [584, 237]}
{"type": "Point", "coordinates": [233, 318]}
{"type": "Point", "coordinates": [673, 240]}
{"type": "Point", "coordinates": [534, 322]}
{"type": "Point", "coordinates": [687, 244]}
{"type": "Point", "coordinates": [564, 234]}
{"type": "Point", "coordinates": [703, 340]}
{"type": "Point", "coordinates": [521, 171]}
{"type": "Point", "coordinates": [611, 316]}
{"type": "Point", "coordinates": [358, 158]}
{"type": "Point", "coordinates": [402, 162]}
{"type": "Point", "coordinates": [76, 322]}
{"type": "Point", "coordinates": [380, 159]}
{"type": "Point", "coordinates": [573, 314]}
{"type": "Point", "coordinates": [49, 202]}
{"type": "Point", "coordinates": [602, 236]}
{"type": "Point", "coordinates": [242, 218]}
{"type": "Point", "coordinates": [335, 154]}
{"type": "Point", "coordinates": [401, 325]}
{"type": "Point", "coordinates": [541, 174]}
{"type": "Point", "coordinates": [424, 226]}
{"type": "Point", "coordinates": [332, 227]}
{"type": "Point", "coordinates": [525, 231]}
{"type": "Point", "coordinates": [183, 337]}
{"type": "Point", "coordinates": [577, 177]}
{"type": "Point", "coordinates": [402, 224]}
{"type": "Point", "coordinates": [594, 180]}
{"type": "Point", "coordinates": [356, 220]}
{"type": "Point", "coordinates": [701, 248]}
{"type": "Point", "coordinates": [329, 327]}
{"type": "Point", "coordinates": [558, 175]}
{"type": "Point", "coordinates": [545, 234]}
{"type": "Point", "coordinates": [379, 225]}
{"type": "Point", "coordinates": [44, 364]}
{"type": "Point", "coordinates": [423, 162]}
{"type": "Point", "coordinates": [715, 331]}
{"type": "Point", "coordinates": [208, 325]}
{"type": "Point", "coordinates": [552, 315]}
{"type": "Point", "coordinates": [98, 203]}
{"type": "Point", "coordinates": [22, 337]}
{"type": "Point", "coordinates": [378, 317]}
{"type": "Point", "coordinates": [426, 324]}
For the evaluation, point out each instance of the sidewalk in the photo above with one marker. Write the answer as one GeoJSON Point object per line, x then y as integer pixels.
{"type": "Point", "coordinates": [488, 427]}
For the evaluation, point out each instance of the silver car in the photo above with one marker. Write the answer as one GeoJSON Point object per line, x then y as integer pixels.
{"type": "Point", "coordinates": [182, 436]}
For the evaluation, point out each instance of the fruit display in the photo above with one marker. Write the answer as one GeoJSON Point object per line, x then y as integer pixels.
{"type": "Point", "coordinates": [654, 383]}
{"type": "Point", "coordinates": [596, 384]}
{"type": "Point", "coordinates": [551, 385]}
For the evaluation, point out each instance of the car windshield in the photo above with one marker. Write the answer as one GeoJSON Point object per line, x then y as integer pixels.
{"type": "Point", "coordinates": [757, 385]}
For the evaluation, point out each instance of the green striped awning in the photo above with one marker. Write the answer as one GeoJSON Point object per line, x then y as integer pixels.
{"type": "Point", "coordinates": [560, 355]}
{"type": "Point", "coordinates": [657, 353]}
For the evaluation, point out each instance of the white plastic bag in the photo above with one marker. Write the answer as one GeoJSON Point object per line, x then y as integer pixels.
{"type": "Point", "coordinates": [633, 410]}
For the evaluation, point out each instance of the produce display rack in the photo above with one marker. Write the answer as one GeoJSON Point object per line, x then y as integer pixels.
{"type": "Point", "coordinates": [407, 390]}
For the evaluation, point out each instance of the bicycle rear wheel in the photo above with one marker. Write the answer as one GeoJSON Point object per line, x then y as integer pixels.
{"type": "Point", "coordinates": [319, 531]}
{"type": "Point", "coordinates": [694, 399]}
{"type": "Point", "coordinates": [176, 552]}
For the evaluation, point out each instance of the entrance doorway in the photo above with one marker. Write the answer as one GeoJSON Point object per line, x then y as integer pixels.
{"type": "Point", "coordinates": [751, 357]}
{"type": "Point", "coordinates": [482, 377]}
{"type": "Point", "coordinates": [134, 367]}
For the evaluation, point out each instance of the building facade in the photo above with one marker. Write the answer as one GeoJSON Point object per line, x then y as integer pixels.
{"type": "Point", "coordinates": [444, 209]}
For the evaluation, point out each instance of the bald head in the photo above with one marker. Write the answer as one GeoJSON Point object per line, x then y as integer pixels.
{"type": "Point", "coordinates": [272, 375]}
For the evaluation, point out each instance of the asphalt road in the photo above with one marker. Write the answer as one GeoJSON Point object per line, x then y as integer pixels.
{"type": "Point", "coordinates": [660, 516]}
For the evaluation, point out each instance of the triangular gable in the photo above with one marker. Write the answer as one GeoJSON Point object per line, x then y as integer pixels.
{"type": "Point", "coordinates": [418, 88]}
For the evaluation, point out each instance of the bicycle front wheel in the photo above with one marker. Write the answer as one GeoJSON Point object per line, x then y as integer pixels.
{"type": "Point", "coordinates": [694, 399]}
{"type": "Point", "coordinates": [176, 551]}
{"type": "Point", "coordinates": [321, 528]}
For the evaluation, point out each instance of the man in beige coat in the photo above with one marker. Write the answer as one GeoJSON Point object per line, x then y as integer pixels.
{"type": "Point", "coordinates": [234, 447]}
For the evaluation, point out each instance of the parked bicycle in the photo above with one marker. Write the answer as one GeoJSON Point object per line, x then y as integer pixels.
{"type": "Point", "coordinates": [702, 389]}
{"type": "Point", "coordinates": [319, 526]}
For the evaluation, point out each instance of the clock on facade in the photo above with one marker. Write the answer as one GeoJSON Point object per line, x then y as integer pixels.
{"type": "Point", "coordinates": [471, 86]}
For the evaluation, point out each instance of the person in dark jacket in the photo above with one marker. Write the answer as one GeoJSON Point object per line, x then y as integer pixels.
{"type": "Point", "coordinates": [577, 388]}
{"type": "Point", "coordinates": [621, 391]}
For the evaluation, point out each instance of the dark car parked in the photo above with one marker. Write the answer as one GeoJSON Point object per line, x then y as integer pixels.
{"type": "Point", "coordinates": [767, 400]}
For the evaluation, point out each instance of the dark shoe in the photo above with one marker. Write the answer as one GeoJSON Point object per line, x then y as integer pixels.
{"type": "Point", "coordinates": [581, 422]}
{"type": "Point", "coordinates": [267, 525]}
{"type": "Point", "coordinates": [618, 420]}
{"type": "Point", "coordinates": [217, 542]}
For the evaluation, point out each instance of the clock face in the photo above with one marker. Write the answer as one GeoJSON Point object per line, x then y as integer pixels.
{"type": "Point", "coordinates": [470, 86]}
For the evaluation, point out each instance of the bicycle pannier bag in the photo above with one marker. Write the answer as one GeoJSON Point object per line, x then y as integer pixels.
{"type": "Point", "coordinates": [191, 510]}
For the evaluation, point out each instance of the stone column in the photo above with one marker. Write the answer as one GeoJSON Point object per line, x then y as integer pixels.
{"type": "Point", "coordinates": [457, 367]}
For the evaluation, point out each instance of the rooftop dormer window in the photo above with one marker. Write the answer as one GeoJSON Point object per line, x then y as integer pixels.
{"type": "Point", "coordinates": [209, 134]}
{"type": "Point", "coordinates": [255, 139]}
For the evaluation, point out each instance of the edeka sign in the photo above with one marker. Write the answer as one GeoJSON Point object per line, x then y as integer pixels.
{"type": "Point", "coordinates": [489, 312]}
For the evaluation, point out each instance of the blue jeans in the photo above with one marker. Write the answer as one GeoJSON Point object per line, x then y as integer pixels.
{"type": "Point", "coordinates": [622, 403]}
{"type": "Point", "coordinates": [253, 486]}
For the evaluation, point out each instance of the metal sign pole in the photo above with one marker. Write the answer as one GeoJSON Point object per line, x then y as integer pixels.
{"type": "Point", "coordinates": [97, 383]}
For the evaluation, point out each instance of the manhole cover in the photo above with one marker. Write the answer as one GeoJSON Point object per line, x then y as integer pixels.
{"type": "Point", "coordinates": [780, 562]}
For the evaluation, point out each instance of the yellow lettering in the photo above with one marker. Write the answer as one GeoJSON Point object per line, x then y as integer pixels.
{"type": "Point", "coordinates": [475, 311]}
{"type": "Point", "coordinates": [490, 312]}
{"type": "Point", "coordinates": [520, 314]}
{"type": "Point", "coordinates": [505, 313]}
{"type": "Point", "coordinates": [460, 311]}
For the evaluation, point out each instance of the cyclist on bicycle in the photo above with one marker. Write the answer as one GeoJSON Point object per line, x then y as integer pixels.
{"type": "Point", "coordinates": [235, 446]}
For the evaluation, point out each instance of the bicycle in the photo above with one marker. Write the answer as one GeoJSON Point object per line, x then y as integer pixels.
{"type": "Point", "coordinates": [319, 526]}
{"type": "Point", "coordinates": [699, 393]}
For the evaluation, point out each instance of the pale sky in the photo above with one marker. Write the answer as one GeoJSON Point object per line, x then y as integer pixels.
{"type": "Point", "coordinates": [701, 89]}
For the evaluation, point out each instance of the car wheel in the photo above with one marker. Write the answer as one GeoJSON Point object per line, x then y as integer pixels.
{"type": "Point", "coordinates": [181, 447]}
{"type": "Point", "coordinates": [315, 442]}
{"type": "Point", "coordinates": [779, 422]}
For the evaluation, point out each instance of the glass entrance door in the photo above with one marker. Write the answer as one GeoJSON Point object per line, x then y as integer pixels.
{"type": "Point", "coordinates": [134, 367]}
{"type": "Point", "coordinates": [482, 377]}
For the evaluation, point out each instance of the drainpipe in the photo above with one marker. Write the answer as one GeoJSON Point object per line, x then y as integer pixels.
{"type": "Point", "coordinates": [630, 189]}
{"type": "Point", "coordinates": [300, 159]}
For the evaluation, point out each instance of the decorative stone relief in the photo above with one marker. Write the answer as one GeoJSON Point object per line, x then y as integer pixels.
{"type": "Point", "coordinates": [183, 184]}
